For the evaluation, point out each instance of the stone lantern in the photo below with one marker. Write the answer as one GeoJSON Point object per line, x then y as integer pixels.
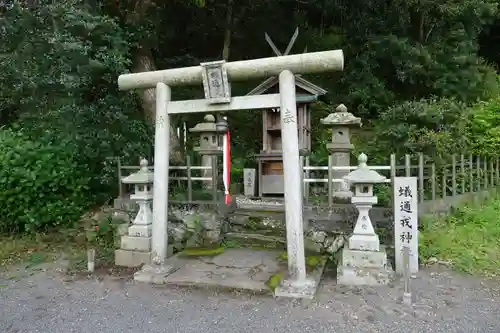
{"type": "Point", "coordinates": [209, 137]}
{"type": "Point", "coordinates": [209, 143]}
{"type": "Point", "coordinates": [136, 245]}
{"type": "Point", "coordinates": [341, 122]}
{"type": "Point", "coordinates": [363, 261]}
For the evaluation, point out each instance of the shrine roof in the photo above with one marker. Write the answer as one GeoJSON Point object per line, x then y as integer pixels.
{"type": "Point", "coordinates": [299, 82]}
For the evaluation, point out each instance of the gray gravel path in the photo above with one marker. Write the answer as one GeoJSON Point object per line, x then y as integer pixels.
{"type": "Point", "coordinates": [45, 301]}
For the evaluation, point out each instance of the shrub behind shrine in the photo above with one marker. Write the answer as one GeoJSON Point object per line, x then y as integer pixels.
{"type": "Point", "coordinates": [41, 184]}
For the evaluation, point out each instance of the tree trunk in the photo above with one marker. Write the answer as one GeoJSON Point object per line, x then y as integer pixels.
{"type": "Point", "coordinates": [228, 31]}
{"type": "Point", "coordinates": [143, 62]}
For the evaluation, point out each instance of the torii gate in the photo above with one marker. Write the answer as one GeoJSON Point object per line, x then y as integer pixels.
{"type": "Point", "coordinates": [215, 77]}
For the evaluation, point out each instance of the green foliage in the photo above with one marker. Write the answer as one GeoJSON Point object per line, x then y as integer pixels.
{"type": "Point", "coordinates": [485, 128]}
{"type": "Point", "coordinates": [41, 184]}
{"type": "Point", "coordinates": [469, 239]}
{"type": "Point", "coordinates": [58, 77]}
{"type": "Point", "coordinates": [435, 127]}
{"type": "Point", "coordinates": [101, 234]}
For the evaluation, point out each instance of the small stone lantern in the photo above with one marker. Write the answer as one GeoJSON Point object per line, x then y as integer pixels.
{"type": "Point", "coordinates": [341, 123]}
{"type": "Point", "coordinates": [208, 132]}
{"type": "Point", "coordinates": [209, 144]}
{"type": "Point", "coordinates": [363, 261]}
{"type": "Point", "coordinates": [143, 195]}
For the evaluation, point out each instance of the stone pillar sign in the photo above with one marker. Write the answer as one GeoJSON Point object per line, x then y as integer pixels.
{"type": "Point", "coordinates": [363, 261]}
{"type": "Point", "coordinates": [340, 148]}
{"type": "Point", "coordinates": [249, 182]}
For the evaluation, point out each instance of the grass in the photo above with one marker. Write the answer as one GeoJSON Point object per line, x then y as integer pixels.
{"type": "Point", "coordinates": [202, 252]}
{"type": "Point", "coordinates": [469, 239]}
{"type": "Point", "coordinates": [30, 249]}
{"type": "Point", "coordinates": [33, 250]}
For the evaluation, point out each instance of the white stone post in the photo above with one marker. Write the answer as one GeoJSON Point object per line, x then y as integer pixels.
{"type": "Point", "coordinates": [161, 165]}
{"type": "Point", "coordinates": [296, 284]}
{"type": "Point", "coordinates": [291, 170]}
{"type": "Point", "coordinates": [158, 270]}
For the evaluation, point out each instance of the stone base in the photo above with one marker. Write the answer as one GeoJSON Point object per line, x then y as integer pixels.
{"type": "Point", "coordinates": [364, 242]}
{"type": "Point", "coordinates": [364, 268]}
{"type": "Point", "coordinates": [127, 258]}
{"type": "Point", "coordinates": [296, 289]}
{"type": "Point", "coordinates": [154, 274]}
{"type": "Point", "coordinates": [142, 244]}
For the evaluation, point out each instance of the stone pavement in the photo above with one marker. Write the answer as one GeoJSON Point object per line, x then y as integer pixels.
{"type": "Point", "coordinates": [48, 301]}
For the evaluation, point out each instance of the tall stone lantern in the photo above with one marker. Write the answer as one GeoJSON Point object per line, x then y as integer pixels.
{"type": "Point", "coordinates": [136, 245]}
{"type": "Point", "coordinates": [341, 122]}
{"type": "Point", "coordinates": [363, 260]}
{"type": "Point", "coordinates": [209, 143]}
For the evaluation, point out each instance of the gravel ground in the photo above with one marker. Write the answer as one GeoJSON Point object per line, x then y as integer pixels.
{"type": "Point", "coordinates": [48, 301]}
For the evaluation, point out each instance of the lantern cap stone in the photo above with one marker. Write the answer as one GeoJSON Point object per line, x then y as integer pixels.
{"type": "Point", "coordinates": [341, 117]}
{"type": "Point", "coordinates": [143, 176]}
{"type": "Point", "coordinates": [208, 126]}
{"type": "Point", "coordinates": [209, 118]}
{"type": "Point", "coordinates": [363, 174]}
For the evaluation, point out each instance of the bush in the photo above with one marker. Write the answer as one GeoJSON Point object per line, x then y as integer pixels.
{"type": "Point", "coordinates": [435, 127]}
{"type": "Point", "coordinates": [485, 128]}
{"type": "Point", "coordinates": [41, 184]}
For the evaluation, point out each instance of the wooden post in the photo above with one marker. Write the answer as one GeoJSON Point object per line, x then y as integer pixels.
{"type": "Point", "coordinates": [393, 175]}
{"type": "Point", "coordinates": [497, 169]}
{"type": "Point", "coordinates": [189, 180]}
{"type": "Point", "coordinates": [330, 176]}
{"type": "Point", "coordinates": [492, 174]}
{"type": "Point", "coordinates": [485, 163]}
{"type": "Point", "coordinates": [407, 165]}
{"type": "Point", "coordinates": [433, 181]}
{"type": "Point", "coordinates": [307, 185]}
{"type": "Point", "coordinates": [453, 175]}
{"type": "Point", "coordinates": [462, 172]}
{"type": "Point", "coordinates": [444, 185]}
{"type": "Point", "coordinates": [302, 177]}
{"type": "Point", "coordinates": [478, 173]}
{"type": "Point", "coordinates": [421, 177]}
{"type": "Point", "coordinates": [120, 184]}
{"type": "Point", "coordinates": [471, 173]}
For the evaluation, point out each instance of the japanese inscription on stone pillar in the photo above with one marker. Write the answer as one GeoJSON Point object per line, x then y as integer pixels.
{"type": "Point", "coordinates": [406, 221]}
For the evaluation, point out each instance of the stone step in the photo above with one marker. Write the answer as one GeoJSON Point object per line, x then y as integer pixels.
{"type": "Point", "coordinates": [256, 241]}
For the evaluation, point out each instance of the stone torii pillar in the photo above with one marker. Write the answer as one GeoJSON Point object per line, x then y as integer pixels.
{"type": "Point", "coordinates": [215, 77]}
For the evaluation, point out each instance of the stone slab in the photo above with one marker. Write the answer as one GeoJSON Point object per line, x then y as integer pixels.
{"type": "Point", "coordinates": [136, 243]}
{"type": "Point", "coordinates": [367, 259]}
{"type": "Point", "coordinates": [302, 289]}
{"type": "Point", "coordinates": [244, 269]}
{"type": "Point", "coordinates": [127, 258]}
{"type": "Point", "coordinates": [364, 242]}
{"type": "Point", "coordinates": [296, 289]}
{"type": "Point", "coordinates": [154, 274]}
{"type": "Point", "coordinates": [359, 276]}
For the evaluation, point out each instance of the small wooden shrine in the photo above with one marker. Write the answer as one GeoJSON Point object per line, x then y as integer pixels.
{"type": "Point", "coordinates": [270, 162]}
